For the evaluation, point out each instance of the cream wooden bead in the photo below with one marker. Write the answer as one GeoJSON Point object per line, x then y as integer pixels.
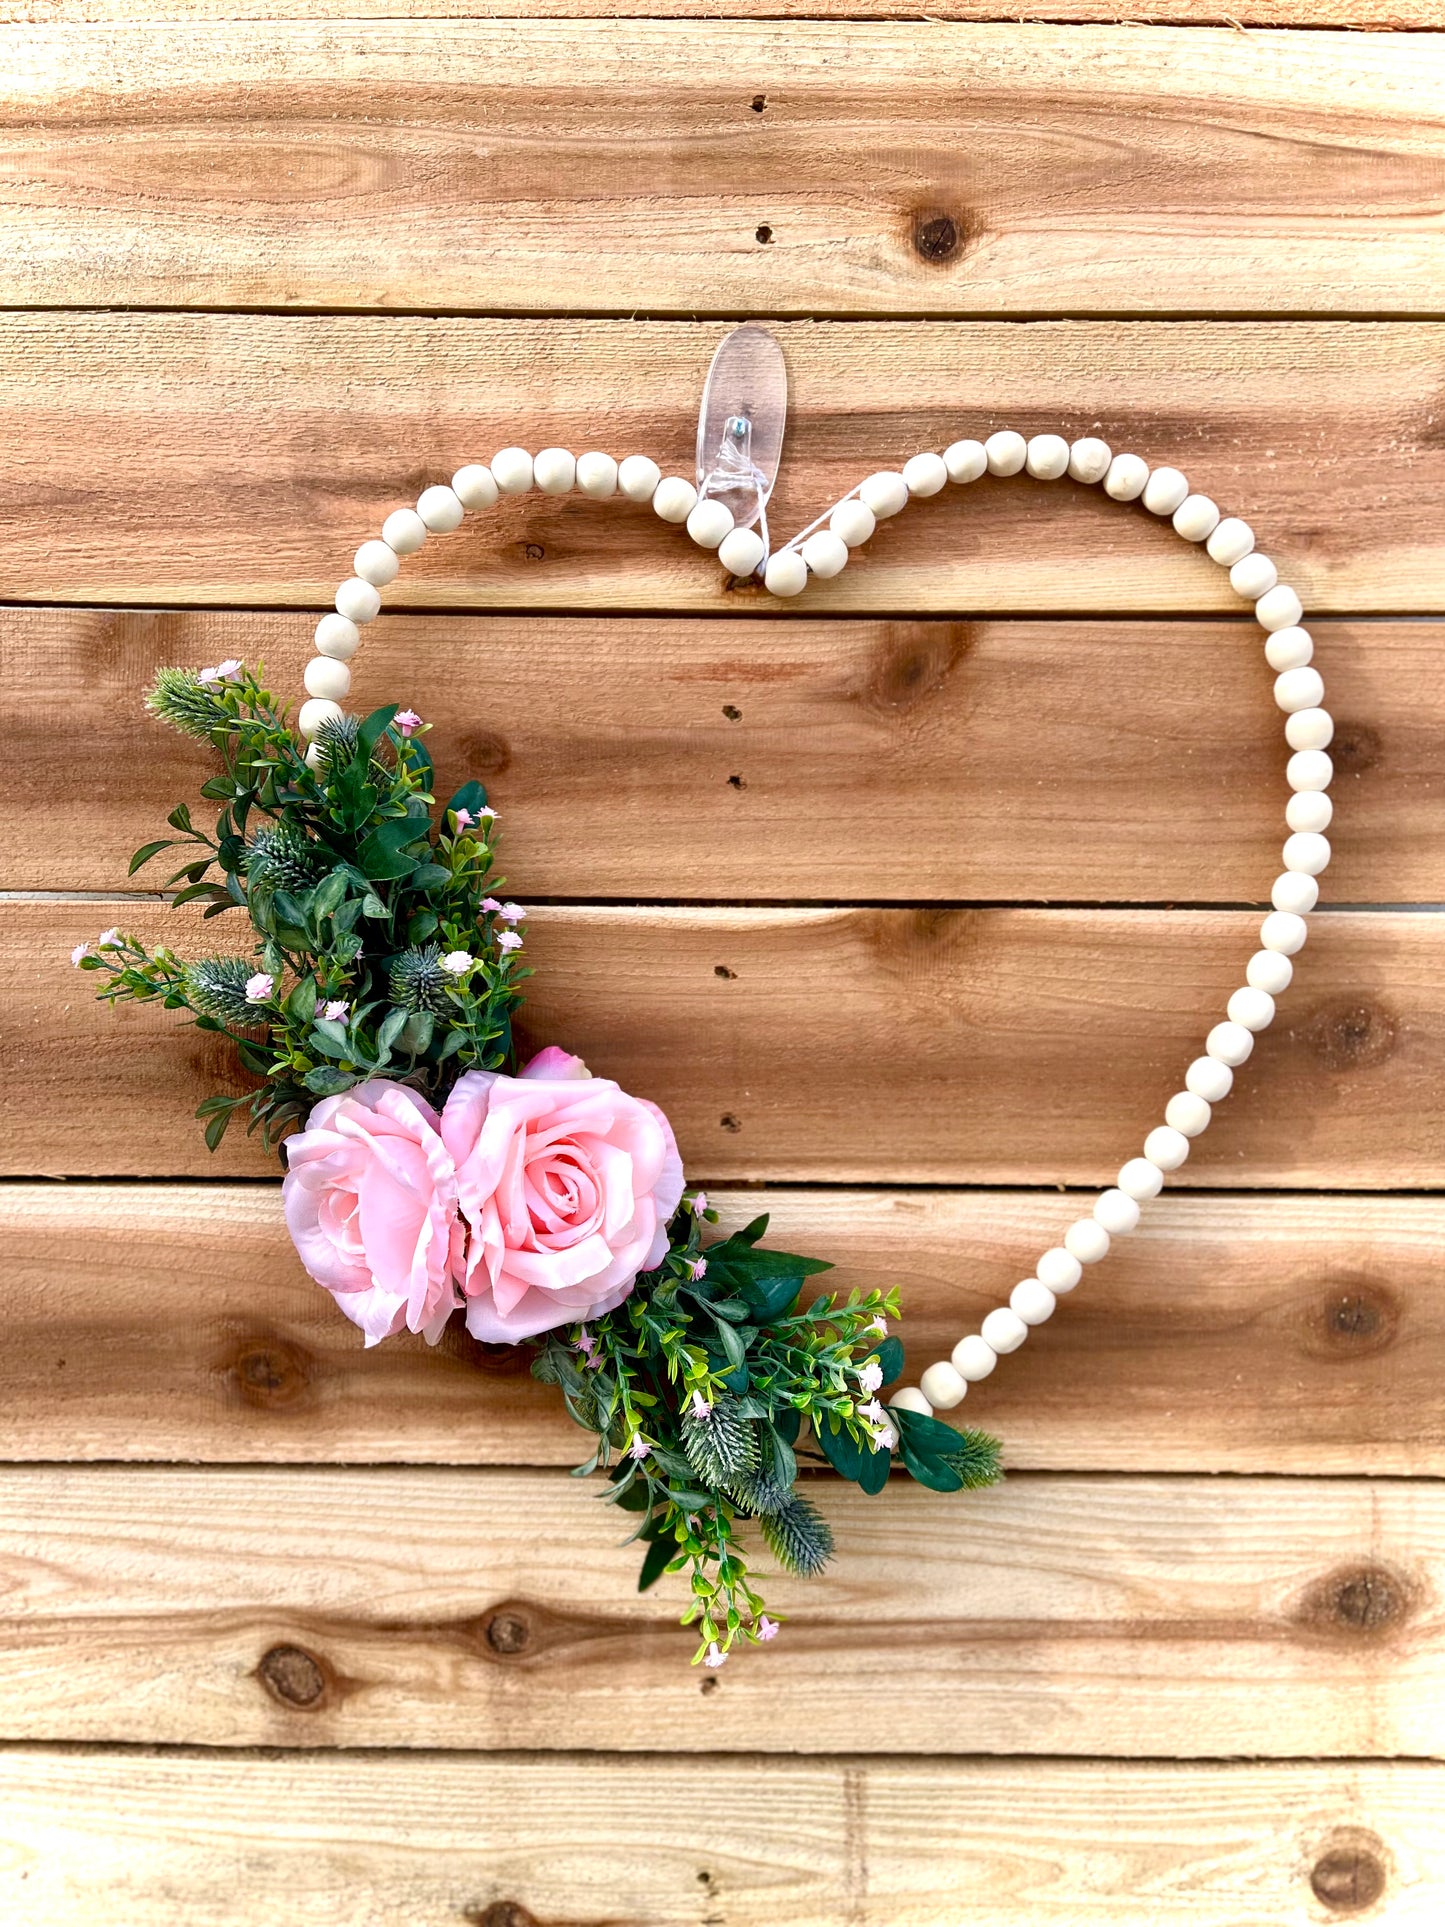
{"type": "Point", "coordinates": [512, 470]}
{"type": "Point", "coordinates": [973, 1358]}
{"type": "Point", "coordinates": [554, 470]}
{"type": "Point", "coordinates": [826, 554]}
{"type": "Point", "coordinates": [1126, 477]}
{"type": "Point", "coordinates": [314, 757]}
{"type": "Point", "coordinates": [1033, 1301]}
{"type": "Point", "coordinates": [1293, 890]}
{"type": "Point", "coordinates": [741, 552]}
{"type": "Point", "coordinates": [1046, 457]}
{"type": "Point", "coordinates": [638, 477]}
{"type": "Point", "coordinates": [1309, 729]}
{"type": "Point", "coordinates": [1003, 1330]}
{"type": "Point", "coordinates": [1140, 1180]}
{"type": "Point", "coordinates": [311, 715]}
{"type": "Point", "coordinates": [884, 492]}
{"type": "Point", "coordinates": [1289, 648]}
{"type": "Point", "coordinates": [942, 1386]}
{"type": "Point", "coordinates": [674, 499]}
{"type": "Point", "coordinates": [1231, 1043]}
{"type": "Point", "coordinates": [1252, 575]}
{"type": "Point", "coordinates": [1230, 542]}
{"type": "Point", "coordinates": [338, 637]}
{"type": "Point", "coordinates": [1299, 689]}
{"type": "Point", "coordinates": [1278, 608]}
{"type": "Point", "coordinates": [1059, 1269]}
{"type": "Point", "coordinates": [404, 531]}
{"type": "Point", "coordinates": [1165, 489]}
{"type": "Point", "coordinates": [786, 573]}
{"type": "Point", "coordinates": [1089, 459]}
{"type": "Point", "coordinates": [1118, 1214]}
{"type": "Point", "coordinates": [1087, 1240]}
{"type": "Point", "coordinates": [910, 1399]}
{"type": "Point", "coordinates": [1269, 970]}
{"type": "Point", "coordinates": [925, 474]}
{"type": "Point", "coordinates": [1308, 852]}
{"type": "Point", "coordinates": [1166, 1147]}
{"type": "Point", "coordinates": [475, 487]}
{"type": "Point", "coordinates": [1309, 769]}
{"type": "Point", "coordinates": [440, 508]}
{"type": "Point", "coordinates": [853, 522]}
{"type": "Point", "coordinates": [325, 676]}
{"type": "Point", "coordinates": [357, 600]}
{"type": "Point", "coordinates": [1196, 518]}
{"type": "Point", "coordinates": [1006, 452]}
{"type": "Point", "coordinates": [710, 523]}
{"type": "Point", "coordinates": [1284, 931]}
{"type": "Point", "coordinates": [1250, 1007]}
{"type": "Point", "coordinates": [597, 475]}
{"type": "Point", "coordinates": [1209, 1079]}
{"type": "Point", "coordinates": [965, 461]}
{"type": "Point", "coordinates": [376, 563]}
{"type": "Point", "coordinates": [1187, 1113]}
{"type": "Point", "coordinates": [1309, 810]}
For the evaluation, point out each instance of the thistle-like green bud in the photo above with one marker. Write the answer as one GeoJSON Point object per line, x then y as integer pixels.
{"type": "Point", "coordinates": [282, 857]}
{"type": "Point", "coordinates": [760, 1493]}
{"type": "Point", "coordinates": [721, 1447]}
{"type": "Point", "coordinates": [336, 744]}
{"type": "Point", "coordinates": [216, 987]}
{"type": "Point", "coordinates": [798, 1537]}
{"type": "Point", "coordinates": [180, 698]}
{"type": "Point", "coordinates": [418, 981]}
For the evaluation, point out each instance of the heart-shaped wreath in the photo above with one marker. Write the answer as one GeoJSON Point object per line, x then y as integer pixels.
{"type": "Point", "coordinates": [433, 1174]}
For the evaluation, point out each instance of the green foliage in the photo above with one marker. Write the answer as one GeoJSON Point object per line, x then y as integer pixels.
{"type": "Point", "coordinates": [216, 987]}
{"type": "Point", "coordinates": [798, 1537]}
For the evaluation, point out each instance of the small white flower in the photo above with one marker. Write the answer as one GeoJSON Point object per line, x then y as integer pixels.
{"type": "Point", "coordinates": [210, 677]}
{"type": "Point", "coordinates": [700, 1406]}
{"type": "Point", "coordinates": [715, 1657]}
{"type": "Point", "coordinates": [873, 1412]}
{"type": "Point", "coordinates": [699, 1203]}
{"type": "Point", "coordinates": [886, 1438]}
{"type": "Point", "coordinates": [458, 962]}
{"type": "Point", "coordinates": [79, 954]}
{"type": "Point", "coordinates": [259, 987]}
{"type": "Point", "coordinates": [108, 939]}
{"type": "Point", "coordinates": [230, 669]}
{"type": "Point", "coordinates": [638, 1448]}
{"type": "Point", "coordinates": [879, 1324]}
{"type": "Point", "coordinates": [870, 1376]}
{"type": "Point", "coordinates": [509, 940]}
{"type": "Point", "coordinates": [512, 913]}
{"type": "Point", "coordinates": [335, 1010]}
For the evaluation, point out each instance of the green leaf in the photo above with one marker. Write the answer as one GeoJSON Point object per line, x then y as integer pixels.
{"type": "Point", "coordinates": [471, 796]}
{"type": "Point", "coordinates": [372, 905]}
{"type": "Point", "coordinates": [180, 818]}
{"type": "Point", "coordinates": [840, 1449]}
{"type": "Point", "coordinates": [933, 1473]}
{"type": "Point", "coordinates": [147, 851]}
{"type": "Point", "coordinates": [784, 1462]}
{"type": "Point", "coordinates": [873, 1470]}
{"type": "Point", "coordinates": [371, 731]}
{"type": "Point", "coordinates": [327, 1081]}
{"type": "Point", "coordinates": [327, 895]}
{"type": "Point", "coordinates": [772, 1298]}
{"type": "Point", "coordinates": [392, 1025]}
{"type": "Point", "coordinates": [429, 876]}
{"type": "Point", "coordinates": [202, 892]}
{"type": "Point", "coordinates": [890, 1359]}
{"type": "Point", "coordinates": [382, 856]}
{"type": "Point", "coordinates": [416, 1033]}
{"type": "Point", "coordinates": [301, 1004]}
{"type": "Point", "coordinates": [656, 1560]}
{"type": "Point", "coordinates": [424, 924]}
{"type": "Point", "coordinates": [216, 1129]}
{"type": "Point", "coordinates": [731, 1341]}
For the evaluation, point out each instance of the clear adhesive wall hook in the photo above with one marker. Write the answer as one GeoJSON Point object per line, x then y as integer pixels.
{"type": "Point", "coordinates": [740, 424]}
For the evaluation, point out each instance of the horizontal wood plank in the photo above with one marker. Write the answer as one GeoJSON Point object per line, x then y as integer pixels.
{"type": "Point", "coordinates": [239, 459]}
{"type": "Point", "coordinates": [873, 1046]}
{"type": "Point", "coordinates": [1371, 15]}
{"type": "Point", "coordinates": [721, 167]}
{"type": "Point", "coordinates": [675, 1842]}
{"type": "Point", "coordinates": [812, 759]}
{"type": "Point", "coordinates": [1064, 1615]}
{"type": "Point", "coordinates": [1321, 1315]}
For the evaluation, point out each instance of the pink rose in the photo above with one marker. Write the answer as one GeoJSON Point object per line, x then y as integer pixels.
{"type": "Point", "coordinates": [566, 1185]}
{"type": "Point", "coordinates": [371, 1205]}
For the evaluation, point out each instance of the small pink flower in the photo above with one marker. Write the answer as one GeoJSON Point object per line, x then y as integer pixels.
{"type": "Point", "coordinates": [487, 812]}
{"type": "Point", "coordinates": [870, 1377]}
{"type": "Point", "coordinates": [464, 819]}
{"type": "Point", "coordinates": [699, 1203]}
{"type": "Point", "coordinates": [700, 1406]}
{"type": "Point", "coordinates": [509, 940]}
{"type": "Point", "coordinates": [639, 1448]}
{"type": "Point", "coordinates": [886, 1438]}
{"type": "Point", "coordinates": [210, 677]}
{"type": "Point", "coordinates": [715, 1657]}
{"type": "Point", "coordinates": [874, 1412]}
{"type": "Point", "coordinates": [879, 1324]}
{"type": "Point", "coordinates": [79, 954]}
{"type": "Point", "coordinates": [697, 1269]}
{"type": "Point", "coordinates": [767, 1628]}
{"type": "Point", "coordinates": [229, 670]}
{"type": "Point", "coordinates": [457, 963]}
{"type": "Point", "coordinates": [586, 1341]}
{"type": "Point", "coordinates": [512, 913]}
{"type": "Point", "coordinates": [407, 721]}
{"type": "Point", "coordinates": [108, 939]}
{"type": "Point", "coordinates": [336, 1010]}
{"type": "Point", "coordinates": [259, 987]}
{"type": "Point", "coordinates": [491, 906]}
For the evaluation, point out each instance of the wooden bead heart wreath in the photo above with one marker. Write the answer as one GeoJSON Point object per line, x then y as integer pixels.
{"type": "Point", "coordinates": [434, 1175]}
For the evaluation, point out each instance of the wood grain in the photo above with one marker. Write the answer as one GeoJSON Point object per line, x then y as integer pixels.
{"type": "Point", "coordinates": [874, 1046]}
{"type": "Point", "coordinates": [1322, 1315]}
{"type": "Point", "coordinates": [1378, 16]}
{"type": "Point", "coordinates": [238, 459]}
{"type": "Point", "coordinates": [721, 167]}
{"type": "Point", "coordinates": [1063, 1615]}
{"type": "Point", "coordinates": [753, 1842]}
{"type": "Point", "coordinates": [813, 759]}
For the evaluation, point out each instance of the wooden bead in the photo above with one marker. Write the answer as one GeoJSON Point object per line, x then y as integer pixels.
{"type": "Point", "coordinates": [440, 508]}
{"type": "Point", "coordinates": [1126, 478]}
{"type": "Point", "coordinates": [554, 470]}
{"type": "Point", "coordinates": [1284, 931]}
{"type": "Point", "coordinates": [1252, 575]}
{"type": "Point", "coordinates": [1006, 452]}
{"type": "Point", "coordinates": [925, 474]}
{"type": "Point", "coordinates": [512, 470]}
{"type": "Point", "coordinates": [1166, 1147]}
{"type": "Point", "coordinates": [376, 563]}
{"type": "Point", "coordinates": [1307, 852]}
{"type": "Point", "coordinates": [1195, 518]}
{"type": "Point", "coordinates": [710, 523]}
{"type": "Point", "coordinates": [1309, 810]}
{"type": "Point", "coordinates": [1209, 1079]}
{"type": "Point", "coordinates": [1309, 729]}
{"type": "Point", "coordinates": [973, 1358]}
{"type": "Point", "coordinates": [1033, 1301]}
{"type": "Point", "coordinates": [1299, 689]}
{"type": "Point", "coordinates": [1046, 457]}
{"type": "Point", "coordinates": [1187, 1113]}
{"type": "Point", "coordinates": [1087, 1240]}
{"type": "Point", "coordinates": [741, 552]}
{"type": "Point", "coordinates": [942, 1386]}
{"type": "Point", "coordinates": [965, 461]}
{"type": "Point", "coordinates": [1140, 1180]}
{"type": "Point", "coordinates": [1309, 769]}
{"type": "Point", "coordinates": [1289, 648]}
{"type": "Point", "coordinates": [1231, 541]}
{"type": "Point", "coordinates": [638, 477]}
{"type": "Point", "coordinates": [674, 499]}
{"type": "Point", "coordinates": [1089, 459]}
{"type": "Point", "coordinates": [338, 637]}
{"type": "Point", "coordinates": [475, 487]}
{"type": "Point", "coordinates": [786, 573]}
{"type": "Point", "coordinates": [1278, 608]}
{"type": "Point", "coordinates": [853, 522]}
{"type": "Point", "coordinates": [1294, 891]}
{"type": "Point", "coordinates": [1165, 489]}
{"type": "Point", "coordinates": [1269, 970]}
{"type": "Point", "coordinates": [910, 1399]}
{"type": "Point", "coordinates": [1118, 1213]}
{"type": "Point", "coordinates": [1003, 1330]}
{"type": "Point", "coordinates": [826, 554]}
{"type": "Point", "coordinates": [597, 475]}
{"type": "Point", "coordinates": [311, 715]}
{"type": "Point", "coordinates": [1059, 1269]}
{"type": "Point", "coordinates": [358, 600]}
{"type": "Point", "coordinates": [885, 493]}
{"type": "Point", "coordinates": [1252, 1008]}
{"type": "Point", "coordinates": [325, 676]}
{"type": "Point", "coordinates": [314, 757]}
{"type": "Point", "coordinates": [1231, 1043]}
{"type": "Point", "coordinates": [404, 531]}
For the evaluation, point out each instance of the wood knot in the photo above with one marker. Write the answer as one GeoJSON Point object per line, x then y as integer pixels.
{"type": "Point", "coordinates": [484, 752]}
{"type": "Point", "coordinates": [938, 238]}
{"type": "Point", "coordinates": [501, 1913]}
{"type": "Point", "coordinates": [1355, 747]}
{"type": "Point", "coordinates": [508, 1633]}
{"type": "Point", "coordinates": [533, 552]}
{"type": "Point", "coordinates": [1353, 1317]}
{"type": "Point", "coordinates": [1356, 1603]}
{"type": "Point", "coordinates": [1350, 1036]}
{"type": "Point", "coordinates": [721, 970]}
{"type": "Point", "coordinates": [268, 1372]}
{"type": "Point", "coordinates": [293, 1677]}
{"type": "Point", "coordinates": [764, 234]}
{"type": "Point", "coordinates": [914, 660]}
{"type": "Point", "coordinates": [1350, 1874]}
{"type": "Point", "coordinates": [730, 1123]}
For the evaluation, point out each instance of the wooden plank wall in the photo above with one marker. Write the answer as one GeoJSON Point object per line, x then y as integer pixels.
{"type": "Point", "coordinates": [909, 904]}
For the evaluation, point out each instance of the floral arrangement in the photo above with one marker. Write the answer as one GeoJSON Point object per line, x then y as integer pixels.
{"type": "Point", "coordinates": [433, 1176]}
